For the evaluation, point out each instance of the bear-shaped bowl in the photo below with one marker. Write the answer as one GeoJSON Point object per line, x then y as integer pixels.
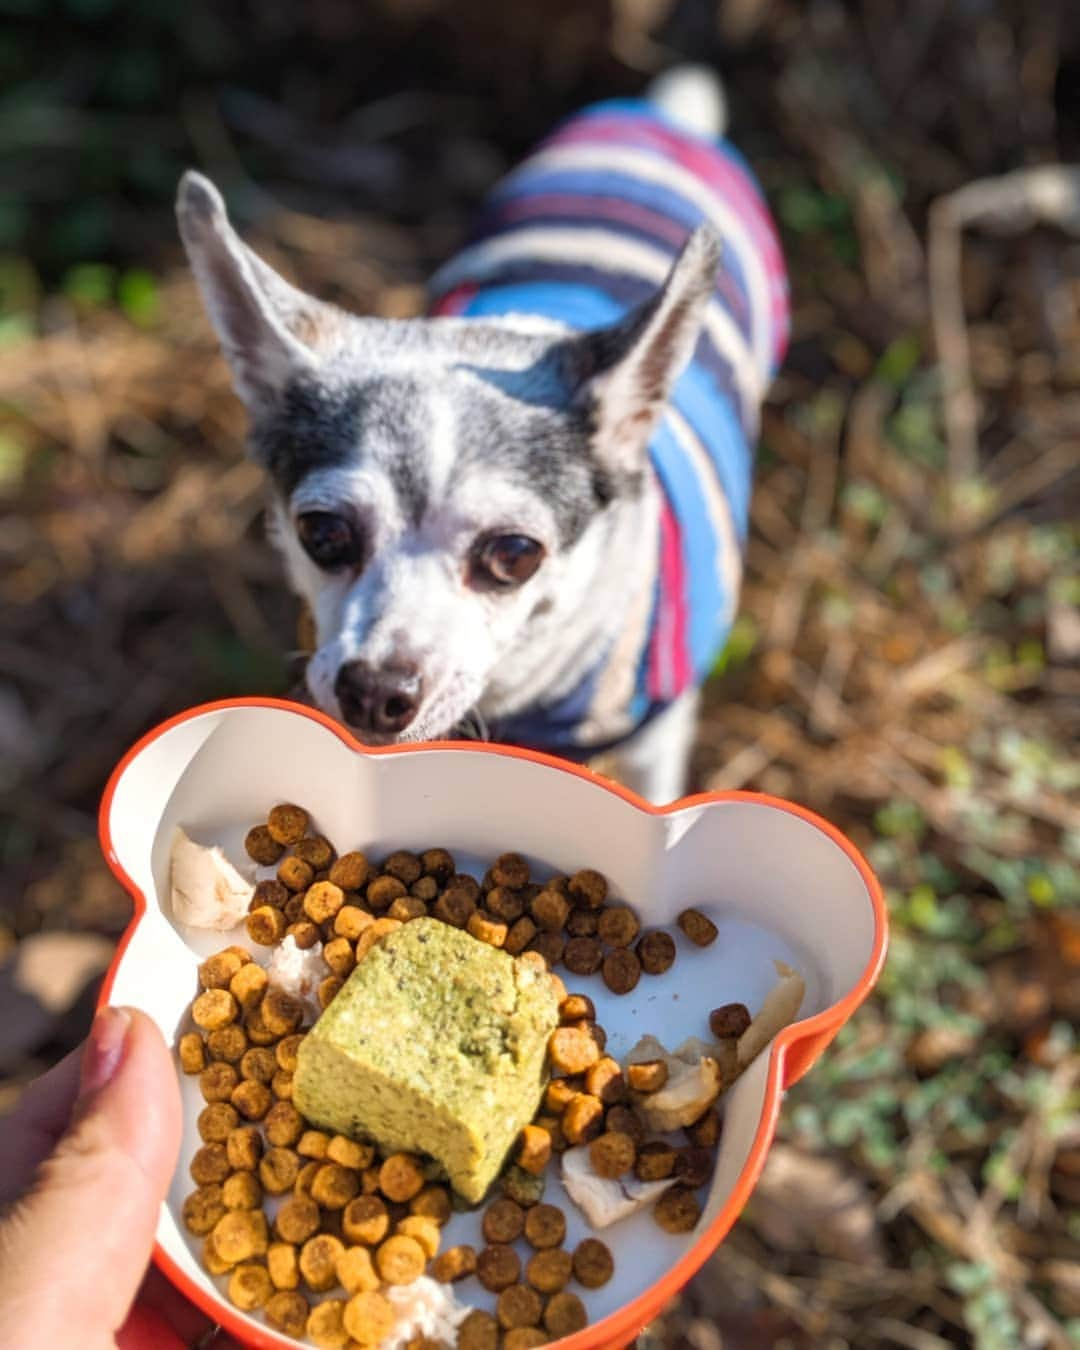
{"type": "Point", "coordinates": [779, 882]}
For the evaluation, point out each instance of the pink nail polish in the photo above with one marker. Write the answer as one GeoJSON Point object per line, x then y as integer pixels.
{"type": "Point", "coordinates": [104, 1049]}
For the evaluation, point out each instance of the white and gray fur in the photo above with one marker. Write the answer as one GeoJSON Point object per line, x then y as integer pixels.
{"type": "Point", "coordinates": [429, 434]}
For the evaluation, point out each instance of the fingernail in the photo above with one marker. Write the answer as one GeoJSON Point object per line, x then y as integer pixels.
{"type": "Point", "coordinates": [104, 1049]}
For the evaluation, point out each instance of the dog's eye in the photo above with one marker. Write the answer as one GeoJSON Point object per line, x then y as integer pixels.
{"type": "Point", "coordinates": [507, 559]}
{"type": "Point", "coordinates": [329, 541]}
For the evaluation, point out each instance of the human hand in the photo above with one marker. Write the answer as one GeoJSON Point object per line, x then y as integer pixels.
{"type": "Point", "coordinates": [86, 1160]}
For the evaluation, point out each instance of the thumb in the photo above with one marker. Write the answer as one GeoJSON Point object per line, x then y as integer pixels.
{"type": "Point", "coordinates": [74, 1248]}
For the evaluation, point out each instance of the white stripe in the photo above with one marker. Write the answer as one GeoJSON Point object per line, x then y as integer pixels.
{"type": "Point", "coordinates": [654, 168]}
{"type": "Point", "coordinates": [600, 248]}
{"type": "Point", "coordinates": [728, 561]}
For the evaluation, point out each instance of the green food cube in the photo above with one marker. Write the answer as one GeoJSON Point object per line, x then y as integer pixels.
{"type": "Point", "coordinates": [436, 1044]}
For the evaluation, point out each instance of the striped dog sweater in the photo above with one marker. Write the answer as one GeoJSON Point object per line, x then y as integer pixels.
{"type": "Point", "coordinates": [584, 230]}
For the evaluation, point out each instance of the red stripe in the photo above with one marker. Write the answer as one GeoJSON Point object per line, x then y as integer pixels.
{"type": "Point", "coordinates": [455, 301]}
{"type": "Point", "coordinates": [592, 208]}
{"type": "Point", "coordinates": [668, 671]}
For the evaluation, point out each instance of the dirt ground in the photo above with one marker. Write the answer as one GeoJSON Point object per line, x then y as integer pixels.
{"type": "Point", "coordinates": [907, 659]}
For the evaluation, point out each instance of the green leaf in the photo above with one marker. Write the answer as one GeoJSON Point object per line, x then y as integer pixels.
{"type": "Point", "coordinates": [138, 295]}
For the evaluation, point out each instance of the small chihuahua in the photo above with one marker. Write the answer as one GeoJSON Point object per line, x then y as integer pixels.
{"type": "Point", "coordinates": [527, 511]}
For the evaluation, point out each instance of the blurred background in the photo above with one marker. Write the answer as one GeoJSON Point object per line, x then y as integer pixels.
{"type": "Point", "coordinates": [907, 659]}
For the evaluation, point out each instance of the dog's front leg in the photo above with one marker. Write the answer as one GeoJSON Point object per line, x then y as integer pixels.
{"type": "Point", "coordinates": [655, 762]}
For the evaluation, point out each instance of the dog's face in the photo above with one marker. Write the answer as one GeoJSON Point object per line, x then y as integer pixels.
{"type": "Point", "coordinates": [439, 484]}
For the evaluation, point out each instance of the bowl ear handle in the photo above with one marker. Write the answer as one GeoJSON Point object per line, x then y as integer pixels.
{"type": "Point", "coordinates": [140, 788]}
{"type": "Point", "coordinates": [804, 1054]}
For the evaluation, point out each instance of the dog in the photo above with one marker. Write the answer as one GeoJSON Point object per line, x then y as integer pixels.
{"type": "Point", "coordinates": [527, 509]}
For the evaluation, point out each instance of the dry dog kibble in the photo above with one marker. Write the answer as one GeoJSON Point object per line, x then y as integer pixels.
{"type": "Point", "coordinates": [550, 911]}
{"type": "Point", "coordinates": [498, 1267]}
{"type": "Point", "coordinates": [550, 947]}
{"type": "Point", "coordinates": [534, 1149]}
{"type": "Point", "coordinates": [262, 847]}
{"type": "Point", "coordinates": [572, 1050]}
{"type": "Point", "coordinates": [549, 1271]}
{"type": "Point", "coordinates": [295, 874]}
{"type": "Point", "coordinates": [520, 935]}
{"type": "Point", "coordinates": [400, 1259]}
{"type": "Point", "coordinates": [284, 1125]}
{"type": "Point", "coordinates": [281, 1013]}
{"type": "Point", "coordinates": [249, 1287]}
{"type": "Point", "coordinates": [349, 1153]}
{"type": "Point", "coordinates": [456, 1263]}
{"type": "Point", "coordinates": [593, 1264]}
{"type": "Point", "coordinates": [383, 890]}
{"type": "Point", "coordinates": [322, 901]}
{"type": "Point", "coordinates": [202, 1209]}
{"type": "Point", "coordinates": [655, 1161]}
{"type": "Point", "coordinates": [313, 1144]}
{"type": "Point", "coordinates": [217, 1121]}
{"type": "Point", "coordinates": [356, 1272]}
{"type": "Point", "coordinates": [366, 1220]}
{"type": "Point", "coordinates": [565, 1314]}
{"type": "Point", "coordinates": [368, 1318]}
{"type": "Point", "coordinates": [706, 1131]}
{"type": "Point", "coordinates": [241, 1234]}
{"type": "Point", "coordinates": [677, 1210]}
{"type": "Point", "coordinates": [694, 1166]}
{"type": "Point", "coordinates": [545, 1226]}
{"type": "Point", "coordinates": [244, 1146]}
{"type": "Point", "coordinates": [505, 904]}
{"type": "Point", "coordinates": [192, 1051]}
{"type": "Point", "coordinates": [258, 1064]}
{"type": "Point", "coordinates": [486, 928]}
{"type": "Point", "coordinates": [350, 921]}
{"type": "Point", "coordinates": [406, 908]}
{"type": "Point", "coordinates": [287, 1312]}
{"type": "Point", "coordinates": [339, 956]}
{"type": "Point", "coordinates": [438, 863]}
{"type": "Point", "coordinates": [242, 1191]}
{"type": "Point", "coordinates": [426, 889]}
{"type": "Point", "coordinates": [278, 1170]}
{"type": "Point", "coordinates": [454, 907]}
{"type": "Point", "coordinates": [648, 1076]}
{"type": "Point", "coordinates": [479, 1331]}
{"type": "Point", "coordinates": [621, 970]}
{"type": "Point", "coordinates": [588, 889]}
{"type": "Point", "coordinates": [423, 1230]}
{"type": "Point", "coordinates": [209, 1164]}
{"type": "Point", "coordinates": [214, 1008]}
{"type": "Point", "coordinates": [350, 871]}
{"type": "Point", "coordinates": [577, 1008]}
{"type": "Point", "coordinates": [217, 1081]}
{"type": "Point", "coordinates": [210, 1259]}
{"type": "Point", "coordinates": [522, 1187]}
{"type": "Point", "coordinates": [251, 1099]}
{"type": "Point", "coordinates": [316, 851]}
{"type": "Point", "coordinates": [406, 866]}
{"type": "Point", "coordinates": [552, 1126]}
{"type": "Point", "coordinates": [612, 1154]}
{"type": "Point", "coordinates": [732, 1019]}
{"type": "Point", "coordinates": [318, 1261]}
{"type": "Point", "coordinates": [626, 1121]}
{"type": "Point", "coordinates": [248, 986]}
{"type": "Point", "coordinates": [518, 1306]}
{"type": "Point", "coordinates": [227, 1043]}
{"type": "Point", "coordinates": [433, 1202]}
{"type": "Point", "coordinates": [656, 952]}
{"type": "Point", "coordinates": [334, 1186]}
{"type": "Point", "coordinates": [326, 1325]}
{"type": "Point", "coordinates": [297, 1219]}
{"type": "Point", "coordinates": [401, 1177]}
{"type": "Point", "coordinates": [698, 927]}
{"type": "Point", "coordinates": [583, 1118]}
{"type": "Point", "coordinates": [605, 1080]}
{"type": "Point", "coordinates": [524, 1338]}
{"type": "Point", "coordinates": [583, 923]}
{"type": "Point", "coordinates": [217, 970]}
{"type": "Point", "coordinates": [328, 990]}
{"type": "Point", "coordinates": [302, 931]}
{"type": "Point", "coordinates": [618, 926]}
{"type": "Point", "coordinates": [558, 1094]}
{"type": "Point", "coordinates": [266, 925]}
{"type": "Point", "coordinates": [304, 1178]}
{"type": "Point", "coordinates": [503, 1221]}
{"type": "Point", "coordinates": [583, 955]}
{"type": "Point", "coordinates": [510, 869]}
{"type": "Point", "coordinates": [270, 892]}
{"type": "Point", "coordinates": [287, 823]}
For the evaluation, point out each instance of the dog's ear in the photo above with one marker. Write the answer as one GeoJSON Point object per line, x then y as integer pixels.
{"type": "Point", "coordinates": [622, 375]}
{"type": "Point", "coordinates": [269, 330]}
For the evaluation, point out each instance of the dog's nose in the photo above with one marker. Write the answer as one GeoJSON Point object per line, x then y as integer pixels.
{"type": "Point", "coordinates": [384, 700]}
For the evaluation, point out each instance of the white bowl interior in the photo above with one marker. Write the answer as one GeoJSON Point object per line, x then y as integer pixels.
{"type": "Point", "coordinates": [776, 886]}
